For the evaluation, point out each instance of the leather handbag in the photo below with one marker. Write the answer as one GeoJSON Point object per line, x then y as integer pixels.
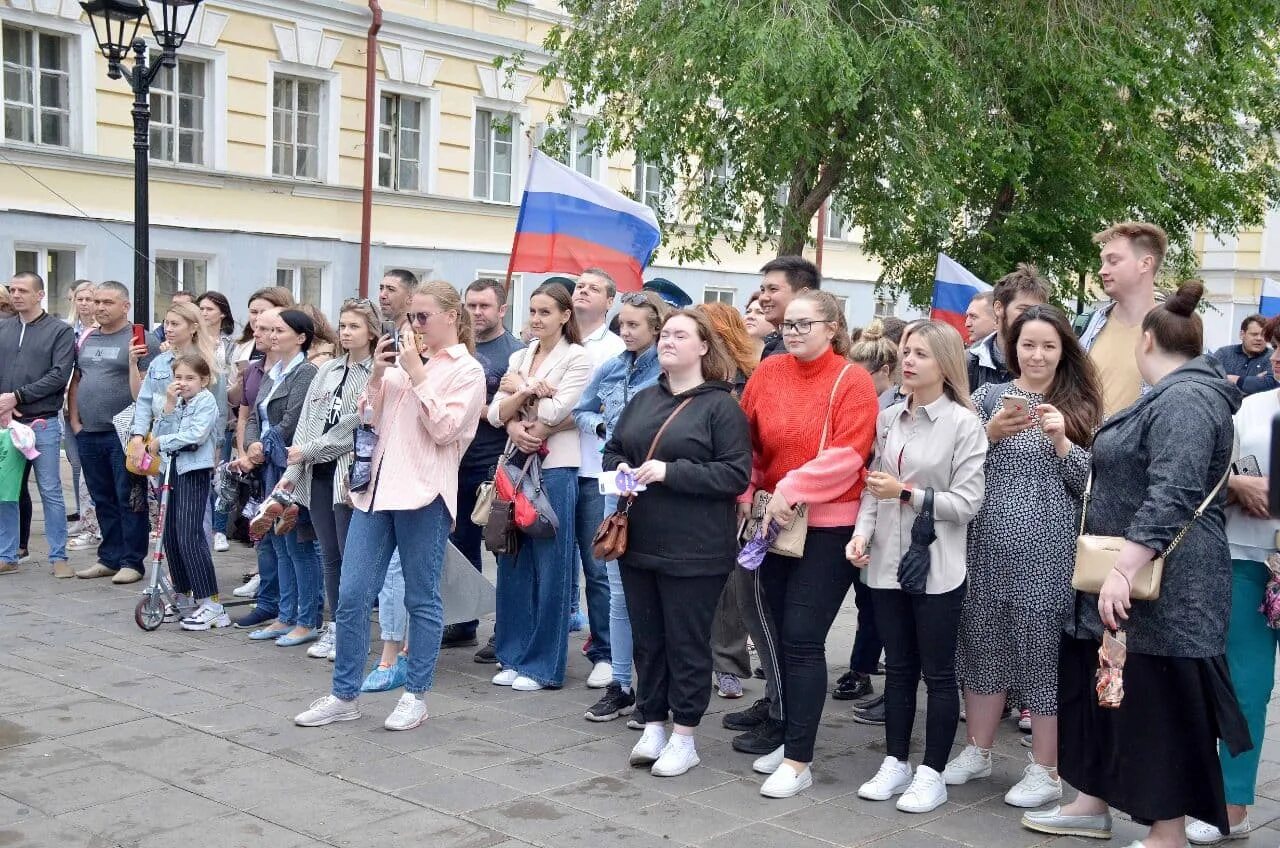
{"type": "Point", "coordinates": [500, 530]}
{"type": "Point", "coordinates": [610, 540]}
{"type": "Point", "coordinates": [143, 460]}
{"type": "Point", "coordinates": [484, 494]}
{"type": "Point", "coordinates": [522, 486]}
{"type": "Point", "coordinates": [1096, 555]}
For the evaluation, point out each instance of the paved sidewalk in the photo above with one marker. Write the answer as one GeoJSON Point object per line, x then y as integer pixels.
{"type": "Point", "coordinates": [110, 736]}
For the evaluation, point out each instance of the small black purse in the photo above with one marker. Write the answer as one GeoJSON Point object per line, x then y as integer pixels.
{"type": "Point", "coordinates": [913, 568]}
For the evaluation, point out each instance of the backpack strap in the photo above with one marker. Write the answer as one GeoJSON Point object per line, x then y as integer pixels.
{"type": "Point", "coordinates": [995, 391]}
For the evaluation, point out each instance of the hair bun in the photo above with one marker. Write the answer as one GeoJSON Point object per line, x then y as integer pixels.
{"type": "Point", "coordinates": [873, 332]}
{"type": "Point", "coordinates": [1185, 300]}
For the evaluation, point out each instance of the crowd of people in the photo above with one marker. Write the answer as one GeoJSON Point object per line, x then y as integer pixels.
{"type": "Point", "coordinates": [716, 480]}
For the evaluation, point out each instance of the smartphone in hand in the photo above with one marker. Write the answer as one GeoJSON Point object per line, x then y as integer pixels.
{"type": "Point", "coordinates": [1247, 466]}
{"type": "Point", "coordinates": [389, 328]}
{"type": "Point", "coordinates": [139, 335]}
{"type": "Point", "coordinates": [1016, 403]}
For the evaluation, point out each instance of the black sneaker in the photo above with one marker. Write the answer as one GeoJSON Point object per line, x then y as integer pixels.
{"type": "Point", "coordinates": [853, 686]}
{"type": "Point", "coordinates": [488, 654]}
{"type": "Point", "coordinates": [870, 712]}
{"type": "Point", "coordinates": [458, 636]}
{"type": "Point", "coordinates": [764, 739]}
{"type": "Point", "coordinates": [747, 719]}
{"type": "Point", "coordinates": [254, 619]}
{"type": "Point", "coordinates": [615, 703]}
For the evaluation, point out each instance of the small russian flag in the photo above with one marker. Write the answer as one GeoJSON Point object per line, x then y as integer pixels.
{"type": "Point", "coordinates": [1269, 306]}
{"type": "Point", "coordinates": [569, 222]}
{"type": "Point", "coordinates": [953, 287]}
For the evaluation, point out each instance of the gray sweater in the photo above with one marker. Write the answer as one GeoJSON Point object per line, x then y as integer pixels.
{"type": "Point", "coordinates": [36, 360]}
{"type": "Point", "coordinates": [1153, 465]}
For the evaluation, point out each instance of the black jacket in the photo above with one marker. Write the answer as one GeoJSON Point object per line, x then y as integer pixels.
{"type": "Point", "coordinates": [984, 366]}
{"type": "Point", "coordinates": [686, 526]}
{"type": "Point", "coordinates": [36, 360]}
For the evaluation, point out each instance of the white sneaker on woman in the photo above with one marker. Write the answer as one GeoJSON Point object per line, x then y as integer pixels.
{"type": "Point", "coordinates": [410, 711]}
{"type": "Point", "coordinates": [769, 763]}
{"type": "Point", "coordinates": [1203, 833]}
{"type": "Point", "coordinates": [248, 590]}
{"type": "Point", "coordinates": [926, 793]}
{"type": "Point", "coordinates": [326, 642]}
{"type": "Point", "coordinates": [505, 677]}
{"type": "Point", "coordinates": [677, 757]}
{"type": "Point", "coordinates": [525, 684]}
{"type": "Point", "coordinates": [893, 778]}
{"type": "Point", "coordinates": [650, 747]}
{"type": "Point", "coordinates": [327, 710]}
{"type": "Point", "coordinates": [972, 763]}
{"type": "Point", "coordinates": [220, 543]}
{"type": "Point", "coordinates": [786, 782]}
{"type": "Point", "coordinates": [1037, 787]}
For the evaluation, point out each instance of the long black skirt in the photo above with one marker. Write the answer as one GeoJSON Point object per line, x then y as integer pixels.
{"type": "Point", "coordinates": [1156, 757]}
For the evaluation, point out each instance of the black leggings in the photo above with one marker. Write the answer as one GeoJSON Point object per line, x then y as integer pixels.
{"type": "Point", "coordinates": [331, 522]}
{"type": "Point", "coordinates": [920, 633]}
{"type": "Point", "coordinates": [804, 596]}
{"type": "Point", "coordinates": [185, 542]}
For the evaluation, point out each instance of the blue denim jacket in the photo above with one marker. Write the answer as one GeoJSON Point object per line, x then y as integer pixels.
{"type": "Point", "coordinates": [612, 387]}
{"type": "Point", "coordinates": [152, 393]}
{"type": "Point", "coordinates": [192, 423]}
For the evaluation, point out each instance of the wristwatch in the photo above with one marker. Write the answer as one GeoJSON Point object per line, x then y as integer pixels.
{"type": "Point", "coordinates": [905, 494]}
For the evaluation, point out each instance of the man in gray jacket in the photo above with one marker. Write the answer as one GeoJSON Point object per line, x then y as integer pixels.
{"type": "Point", "coordinates": [37, 351]}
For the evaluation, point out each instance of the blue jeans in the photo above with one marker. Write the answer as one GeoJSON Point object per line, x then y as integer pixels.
{"type": "Point", "coordinates": [373, 537]}
{"type": "Point", "coordinates": [125, 533]}
{"type": "Point", "coordinates": [619, 619]}
{"type": "Point", "coordinates": [533, 591]}
{"type": "Point", "coordinates": [466, 536]}
{"type": "Point", "coordinates": [47, 467]}
{"type": "Point", "coordinates": [301, 583]}
{"type": "Point", "coordinates": [393, 618]}
{"type": "Point", "coordinates": [220, 518]}
{"type": "Point", "coordinates": [268, 599]}
{"type": "Point", "coordinates": [588, 515]}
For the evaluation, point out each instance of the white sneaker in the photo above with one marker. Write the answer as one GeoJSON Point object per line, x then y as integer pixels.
{"type": "Point", "coordinates": [786, 782]}
{"type": "Point", "coordinates": [83, 542]}
{"type": "Point", "coordinates": [893, 779]}
{"type": "Point", "coordinates": [248, 590]}
{"type": "Point", "coordinates": [207, 617]}
{"type": "Point", "coordinates": [650, 747]}
{"type": "Point", "coordinates": [410, 712]}
{"type": "Point", "coordinates": [601, 675]}
{"type": "Point", "coordinates": [327, 710]}
{"type": "Point", "coordinates": [1024, 721]}
{"type": "Point", "coordinates": [769, 763]}
{"type": "Point", "coordinates": [1037, 787]}
{"type": "Point", "coordinates": [926, 793]}
{"type": "Point", "coordinates": [1203, 833]}
{"type": "Point", "coordinates": [505, 677]}
{"type": "Point", "coordinates": [220, 543]}
{"type": "Point", "coordinates": [525, 684]}
{"type": "Point", "coordinates": [333, 652]}
{"type": "Point", "coordinates": [677, 757]}
{"type": "Point", "coordinates": [972, 763]}
{"type": "Point", "coordinates": [326, 642]}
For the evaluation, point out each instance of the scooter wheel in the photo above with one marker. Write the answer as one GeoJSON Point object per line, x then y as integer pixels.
{"type": "Point", "coordinates": [149, 613]}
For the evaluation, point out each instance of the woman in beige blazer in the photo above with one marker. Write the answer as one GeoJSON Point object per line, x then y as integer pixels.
{"type": "Point", "coordinates": [535, 403]}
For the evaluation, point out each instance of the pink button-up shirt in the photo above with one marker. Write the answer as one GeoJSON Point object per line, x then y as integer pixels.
{"type": "Point", "coordinates": [423, 431]}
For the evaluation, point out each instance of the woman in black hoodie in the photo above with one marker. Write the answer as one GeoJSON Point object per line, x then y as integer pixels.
{"type": "Point", "coordinates": [683, 528]}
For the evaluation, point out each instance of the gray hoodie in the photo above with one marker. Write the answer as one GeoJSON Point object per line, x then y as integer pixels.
{"type": "Point", "coordinates": [36, 359]}
{"type": "Point", "coordinates": [1153, 465]}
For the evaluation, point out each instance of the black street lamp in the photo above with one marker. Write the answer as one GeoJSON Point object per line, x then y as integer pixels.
{"type": "Point", "coordinates": [115, 26]}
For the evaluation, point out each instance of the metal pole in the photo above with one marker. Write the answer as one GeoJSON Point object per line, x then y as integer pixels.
{"type": "Point", "coordinates": [140, 78]}
{"type": "Point", "coordinates": [370, 142]}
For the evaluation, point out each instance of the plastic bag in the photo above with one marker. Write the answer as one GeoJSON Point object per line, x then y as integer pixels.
{"type": "Point", "coordinates": [753, 552]}
{"type": "Point", "coordinates": [1110, 680]}
{"type": "Point", "coordinates": [366, 440]}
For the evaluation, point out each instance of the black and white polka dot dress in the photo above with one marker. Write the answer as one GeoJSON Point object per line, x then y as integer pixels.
{"type": "Point", "coordinates": [1021, 555]}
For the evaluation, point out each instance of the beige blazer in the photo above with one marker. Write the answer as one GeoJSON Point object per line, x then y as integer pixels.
{"type": "Point", "coordinates": [568, 368]}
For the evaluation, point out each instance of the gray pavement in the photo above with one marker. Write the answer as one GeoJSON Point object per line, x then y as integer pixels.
{"type": "Point", "coordinates": [110, 736]}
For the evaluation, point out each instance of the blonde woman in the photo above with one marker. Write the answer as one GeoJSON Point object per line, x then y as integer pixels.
{"type": "Point", "coordinates": [84, 533]}
{"type": "Point", "coordinates": [185, 333]}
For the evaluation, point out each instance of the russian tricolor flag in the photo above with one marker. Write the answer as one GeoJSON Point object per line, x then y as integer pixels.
{"type": "Point", "coordinates": [1269, 306]}
{"type": "Point", "coordinates": [569, 222]}
{"type": "Point", "coordinates": [953, 287]}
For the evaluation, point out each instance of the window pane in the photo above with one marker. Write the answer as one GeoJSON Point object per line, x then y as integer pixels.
{"type": "Point", "coordinates": [17, 84]}
{"type": "Point", "coordinates": [194, 275]}
{"type": "Point", "coordinates": [281, 155]}
{"type": "Point", "coordinates": [502, 187]}
{"type": "Point", "coordinates": [53, 91]}
{"type": "Point", "coordinates": [284, 277]}
{"type": "Point", "coordinates": [311, 286]}
{"type": "Point", "coordinates": [308, 130]}
{"type": "Point", "coordinates": [18, 124]}
{"type": "Point", "coordinates": [309, 97]}
{"type": "Point", "coordinates": [283, 98]}
{"type": "Point", "coordinates": [410, 113]}
{"type": "Point", "coordinates": [17, 45]}
{"type": "Point", "coordinates": [160, 144]}
{"type": "Point", "coordinates": [384, 172]}
{"type": "Point", "coordinates": [191, 78]}
{"type": "Point", "coordinates": [484, 120]}
{"type": "Point", "coordinates": [26, 262]}
{"type": "Point", "coordinates": [408, 175]}
{"type": "Point", "coordinates": [190, 150]}
{"type": "Point", "coordinates": [165, 284]}
{"type": "Point", "coordinates": [387, 108]}
{"type": "Point", "coordinates": [54, 129]}
{"type": "Point", "coordinates": [60, 277]}
{"type": "Point", "coordinates": [53, 52]}
{"type": "Point", "coordinates": [306, 162]}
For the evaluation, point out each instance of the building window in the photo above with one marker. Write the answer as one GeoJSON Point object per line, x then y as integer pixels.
{"type": "Point", "coordinates": [494, 165]}
{"type": "Point", "coordinates": [837, 223]}
{"type": "Point", "coordinates": [37, 87]}
{"type": "Point", "coordinates": [174, 274]}
{"type": "Point", "coordinates": [402, 131]}
{"type": "Point", "coordinates": [177, 113]}
{"type": "Point", "coordinates": [305, 281]}
{"type": "Point", "coordinates": [649, 189]}
{"type": "Point", "coordinates": [56, 266]}
{"type": "Point", "coordinates": [884, 307]}
{"type": "Point", "coordinates": [581, 156]}
{"type": "Point", "coordinates": [713, 295]}
{"type": "Point", "coordinates": [296, 128]}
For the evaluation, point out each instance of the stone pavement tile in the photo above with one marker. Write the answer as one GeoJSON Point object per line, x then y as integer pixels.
{"type": "Point", "coordinates": [145, 814]}
{"type": "Point", "coordinates": [237, 830]}
{"type": "Point", "coordinates": [914, 839]}
{"type": "Point", "coordinates": [603, 756]}
{"type": "Point", "coordinates": [439, 729]}
{"type": "Point", "coordinates": [395, 773]}
{"type": "Point", "coordinates": [460, 793]}
{"type": "Point", "coordinates": [532, 774]}
{"type": "Point", "coordinates": [538, 737]}
{"type": "Point", "coordinates": [532, 819]}
{"type": "Point", "coordinates": [980, 828]}
{"type": "Point", "coordinates": [159, 696]}
{"type": "Point", "coordinates": [606, 796]}
{"type": "Point", "coordinates": [762, 835]}
{"type": "Point", "coordinates": [606, 833]}
{"type": "Point", "coordinates": [835, 824]}
{"type": "Point", "coordinates": [175, 754]}
{"type": "Point", "coordinates": [49, 833]}
{"type": "Point", "coordinates": [13, 811]}
{"type": "Point", "coordinates": [246, 786]}
{"type": "Point", "coordinates": [227, 719]}
{"type": "Point", "coordinates": [229, 681]}
{"type": "Point", "coordinates": [466, 755]}
{"type": "Point", "coordinates": [22, 691]}
{"type": "Point", "coordinates": [323, 814]}
{"type": "Point", "coordinates": [37, 759]}
{"type": "Point", "coordinates": [92, 784]}
{"type": "Point", "coordinates": [537, 706]}
{"type": "Point", "coordinates": [425, 827]}
{"type": "Point", "coordinates": [87, 713]}
{"type": "Point", "coordinates": [886, 809]}
{"type": "Point", "coordinates": [327, 752]}
{"type": "Point", "coordinates": [687, 785]}
{"type": "Point", "coordinates": [742, 798]}
{"type": "Point", "coordinates": [679, 820]}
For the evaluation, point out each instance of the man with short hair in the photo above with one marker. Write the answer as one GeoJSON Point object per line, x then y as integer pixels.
{"type": "Point", "coordinates": [1014, 294]}
{"type": "Point", "coordinates": [486, 302]}
{"type": "Point", "coordinates": [1131, 254]}
{"type": "Point", "coordinates": [1250, 358]}
{"type": "Point", "coordinates": [37, 352]}
{"type": "Point", "coordinates": [784, 278]}
{"type": "Point", "coordinates": [980, 317]}
{"type": "Point", "coordinates": [394, 293]}
{"type": "Point", "coordinates": [593, 296]}
{"type": "Point", "coordinates": [107, 368]}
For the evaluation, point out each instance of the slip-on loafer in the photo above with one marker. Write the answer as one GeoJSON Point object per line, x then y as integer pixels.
{"type": "Point", "coordinates": [270, 633]}
{"type": "Point", "coordinates": [1053, 822]}
{"type": "Point", "coordinates": [288, 641]}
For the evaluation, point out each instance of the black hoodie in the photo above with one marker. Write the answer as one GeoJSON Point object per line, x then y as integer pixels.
{"type": "Point", "coordinates": [687, 525]}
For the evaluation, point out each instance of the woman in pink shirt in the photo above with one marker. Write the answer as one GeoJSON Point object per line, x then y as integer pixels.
{"type": "Point", "coordinates": [426, 401]}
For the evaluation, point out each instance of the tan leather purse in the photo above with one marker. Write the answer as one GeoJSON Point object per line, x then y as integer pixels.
{"type": "Point", "coordinates": [1096, 555]}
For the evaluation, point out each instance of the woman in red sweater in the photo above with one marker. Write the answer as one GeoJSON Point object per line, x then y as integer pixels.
{"type": "Point", "coordinates": [812, 415]}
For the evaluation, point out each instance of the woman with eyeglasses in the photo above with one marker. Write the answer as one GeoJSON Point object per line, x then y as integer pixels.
{"type": "Point", "coordinates": [812, 415]}
{"type": "Point", "coordinates": [542, 386]}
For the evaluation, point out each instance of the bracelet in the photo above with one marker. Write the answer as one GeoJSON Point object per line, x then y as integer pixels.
{"type": "Point", "coordinates": [1127, 581]}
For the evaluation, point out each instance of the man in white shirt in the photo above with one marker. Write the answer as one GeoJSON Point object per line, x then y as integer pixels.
{"type": "Point", "coordinates": [592, 299]}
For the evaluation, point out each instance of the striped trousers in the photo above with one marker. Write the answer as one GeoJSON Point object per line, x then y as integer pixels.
{"type": "Point", "coordinates": [185, 542]}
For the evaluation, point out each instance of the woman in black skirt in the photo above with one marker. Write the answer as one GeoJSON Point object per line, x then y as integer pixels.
{"type": "Point", "coordinates": [1154, 463]}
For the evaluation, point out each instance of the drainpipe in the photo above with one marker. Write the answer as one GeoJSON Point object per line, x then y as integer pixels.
{"type": "Point", "coordinates": [370, 90]}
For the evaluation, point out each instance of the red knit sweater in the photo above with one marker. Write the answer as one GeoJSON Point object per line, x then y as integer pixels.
{"type": "Point", "coordinates": [786, 402]}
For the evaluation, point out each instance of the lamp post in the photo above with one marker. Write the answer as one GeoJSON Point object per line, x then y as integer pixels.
{"type": "Point", "coordinates": [115, 26]}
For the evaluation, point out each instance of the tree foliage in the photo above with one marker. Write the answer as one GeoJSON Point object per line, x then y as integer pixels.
{"type": "Point", "coordinates": [995, 130]}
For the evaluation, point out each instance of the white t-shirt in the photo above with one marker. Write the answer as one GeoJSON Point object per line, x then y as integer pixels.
{"type": "Point", "coordinates": [601, 346]}
{"type": "Point", "coordinates": [1254, 538]}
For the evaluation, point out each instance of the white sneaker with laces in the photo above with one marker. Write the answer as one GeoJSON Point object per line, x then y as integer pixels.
{"type": "Point", "coordinates": [601, 675]}
{"type": "Point", "coordinates": [677, 757]}
{"type": "Point", "coordinates": [786, 782]}
{"type": "Point", "coordinates": [327, 710]}
{"type": "Point", "coordinates": [505, 677]}
{"type": "Point", "coordinates": [207, 617]}
{"type": "Point", "coordinates": [927, 792]}
{"type": "Point", "coordinates": [325, 644]}
{"type": "Point", "coordinates": [248, 590]}
{"type": "Point", "coordinates": [972, 763]}
{"type": "Point", "coordinates": [1203, 833]}
{"type": "Point", "coordinates": [1024, 721]}
{"type": "Point", "coordinates": [525, 684]}
{"type": "Point", "coordinates": [84, 541]}
{"type": "Point", "coordinates": [1037, 787]}
{"type": "Point", "coordinates": [650, 747]}
{"type": "Point", "coordinates": [410, 712]}
{"type": "Point", "coordinates": [769, 763]}
{"type": "Point", "coordinates": [893, 778]}
{"type": "Point", "coordinates": [220, 543]}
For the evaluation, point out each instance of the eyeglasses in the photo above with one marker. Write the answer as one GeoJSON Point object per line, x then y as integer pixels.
{"type": "Point", "coordinates": [801, 327]}
{"type": "Point", "coordinates": [357, 301]}
{"type": "Point", "coordinates": [421, 318]}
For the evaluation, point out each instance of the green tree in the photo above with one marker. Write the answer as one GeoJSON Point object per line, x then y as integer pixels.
{"type": "Point", "coordinates": [995, 130]}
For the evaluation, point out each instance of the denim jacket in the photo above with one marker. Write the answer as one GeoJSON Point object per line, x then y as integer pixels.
{"type": "Point", "coordinates": [612, 387]}
{"type": "Point", "coordinates": [191, 423]}
{"type": "Point", "coordinates": [152, 393]}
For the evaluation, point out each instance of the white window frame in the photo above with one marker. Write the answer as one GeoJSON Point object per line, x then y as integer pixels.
{"type": "Point", "coordinates": [215, 106]}
{"type": "Point", "coordinates": [82, 82]}
{"type": "Point", "coordinates": [297, 266]}
{"type": "Point", "coordinates": [718, 294]}
{"type": "Point", "coordinates": [516, 295]}
{"type": "Point", "coordinates": [42, 264]}
{"type": "Point", "coordinates": [429, 144]}
{"type": "Point", "coordinates": [885, 306]}
{"type": "Point", "coordinates": [574, 154]}
{"type": "Point", "coordinates": [180, 257]}
{"type": "Point", "coordinates": [330, 120]}
{"type": "Point", "coordinates": [518, 114]}
{"type": "Point", "coordinates": [833, 232]}
{"type": "Point", "coordinates": [641, 186]}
